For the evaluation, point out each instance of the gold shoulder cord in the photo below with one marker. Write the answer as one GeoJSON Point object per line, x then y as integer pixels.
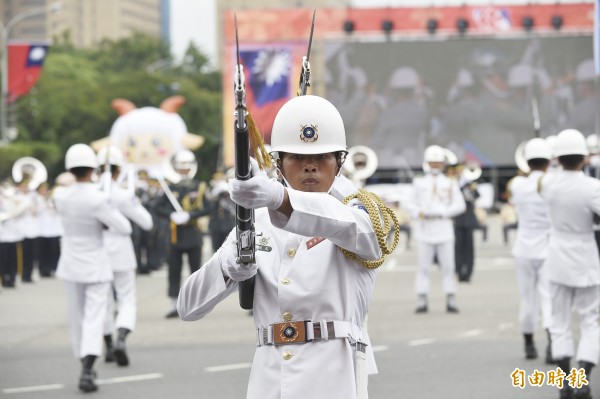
{"type": "Point", "coordinates": [376, 208]}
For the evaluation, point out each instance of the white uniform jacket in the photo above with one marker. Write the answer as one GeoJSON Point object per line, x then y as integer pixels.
{"type": "Point", "coordinates": [439, 199]}
{"type": "Point", "coordinates": [29, 223]}
{"type": "Point", "coordinates": [572, 200]}
{"type": "Point", "coordinates": [532, 213]}
{"type": "Point", "coordinates": [84, 211]}
{"type": "Point", "coordinates": [309, 278]}
{"type": "Point", "coordinates": [12, 210]}
{"type": "Point", "coordinates": [120, 246]}
{"type": "Point", "coordinates": [48, 219]}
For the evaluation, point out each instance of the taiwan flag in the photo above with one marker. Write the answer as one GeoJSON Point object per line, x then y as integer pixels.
{"type": "Point", "coordinates": [267, 73]}
{"type": "Point", "coordinates": [25, 61]}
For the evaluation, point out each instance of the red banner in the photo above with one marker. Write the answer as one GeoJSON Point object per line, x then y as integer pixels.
{"type": "Point", "coordinates": [25, 62]}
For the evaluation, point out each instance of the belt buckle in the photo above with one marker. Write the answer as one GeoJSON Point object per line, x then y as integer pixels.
{"type": "Point", "coordinates": [291, 332]}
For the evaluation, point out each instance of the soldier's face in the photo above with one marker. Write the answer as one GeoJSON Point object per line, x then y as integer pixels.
{"type": "Point", "coordinates": [310, 173]}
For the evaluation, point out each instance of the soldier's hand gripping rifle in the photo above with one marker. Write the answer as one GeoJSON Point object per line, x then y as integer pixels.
{"type": "Point", "coordinates": [244, 224]}
{"type": "Point", "coordinates": [305, 73]}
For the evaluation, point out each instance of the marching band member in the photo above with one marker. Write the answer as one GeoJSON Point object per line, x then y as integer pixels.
{"type": "Point", "coordinates": [531, 245]}
{"type": "Point", "coordinates": [306, 290]}
{"type": "Point", "coordinates": [14, 205]}
{"type": "Point", "coordinates": [50, 231]}
{"type": "Point", "coordinates": [436, 199]}
{"type": "Point", "coordinates": [185, 234]}
{"type": "Point", "coordinates": [84, 264]}
{"type": "Point", "coordinates": [573, 263]}
{"type": "Point", "coordinates": [29, 226]}
{"type": "Point", "coordinates": [122, 258]}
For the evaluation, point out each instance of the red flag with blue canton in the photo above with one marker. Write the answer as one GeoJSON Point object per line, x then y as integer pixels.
{"type": "Point", "coordinates": [25, 62]}
{"type": "Point", "coordinates": [268, 84]}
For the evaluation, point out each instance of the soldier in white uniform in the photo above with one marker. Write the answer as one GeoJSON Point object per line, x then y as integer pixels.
{"type": "Point", "coordinates": [531, 245]}
{"type": "Point", "coordinates": [122, 258]}
{"type": "Point", "coordinates": [436, 199]}
{"type": "Point", "coordinates": [14, 205]}
{"type": "Point", "coordinates": [84, 264]}
{"type": "Point", "coordinates": [573, 264]}
{"type": "Point", "coordinates": [50, 230]}
{"type": "Point", "coordinates": [306, 290]}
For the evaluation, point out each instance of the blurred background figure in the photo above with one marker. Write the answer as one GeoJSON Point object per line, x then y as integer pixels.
{"type": "Point", "coordinates": [465, 223]}
{"type": "Point", "coordinates": [586, 110]}
{"type": "Point", "coordinates": [222, 214]}
{"type": "Point", "coordinates": [404, 124]}
{"type": "Point", "coordinates": [182, 207]}
{"type": "Point", "coordinates": [50, 231]}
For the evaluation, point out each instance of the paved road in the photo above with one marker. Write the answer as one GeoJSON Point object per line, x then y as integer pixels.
{"type": "Point", "coordinates": [432, 356]}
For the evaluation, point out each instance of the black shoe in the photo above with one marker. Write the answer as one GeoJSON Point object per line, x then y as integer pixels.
{"type": "Point", "coordinates": [172, 314]}
{"type": "Point", "coordinates": [584, 392]}
{"type": "Point", "coordinates": [549, 359]}
{"type": "Point", "coordinates": [121, 353]}
{"type": "Point", "coordinates": [530, 352]}
{"type": "Point", "coordinates": [86, 381]}
{"type": "Point", "coordinates": [109, 356]}
{"type": "Point", "coordinates": [451, 309]}
{"type": "Point", "coordinates": [421, 309]}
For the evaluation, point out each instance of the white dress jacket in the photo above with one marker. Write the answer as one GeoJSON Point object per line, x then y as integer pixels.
{"type": "Point", "coordinates": [308, 277]}
{"type": "Point", "coordinates": [84, 213]}
{"type": "Point", "coordinates": [572, 199]}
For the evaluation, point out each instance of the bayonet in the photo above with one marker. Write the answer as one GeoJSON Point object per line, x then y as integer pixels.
{"type": "Point", "coordinates": [305, 73]}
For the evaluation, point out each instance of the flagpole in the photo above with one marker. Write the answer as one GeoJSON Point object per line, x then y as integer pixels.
{"type": "Point", "coordinates": [5, 29]}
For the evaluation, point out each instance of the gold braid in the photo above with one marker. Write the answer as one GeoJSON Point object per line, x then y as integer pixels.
{"type": "Point", "coordinates": [377, 210]}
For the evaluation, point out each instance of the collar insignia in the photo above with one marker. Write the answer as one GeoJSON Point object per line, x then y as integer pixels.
{"type": "Point", "coordinates": [314, 241]}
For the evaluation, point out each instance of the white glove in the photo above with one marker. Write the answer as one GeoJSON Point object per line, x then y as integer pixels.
{"type": "Point", "coordinates": [180, 217]}
{"type": "Point", "coordinates": [230, 267]}
{"type": "Point", "coordinates": [257, 192]}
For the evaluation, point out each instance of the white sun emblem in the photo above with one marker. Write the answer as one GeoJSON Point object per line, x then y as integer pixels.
{"type": "Point", "coordinates": [37, 53]}
{"type": "Point", "coordinates": [272, 65]}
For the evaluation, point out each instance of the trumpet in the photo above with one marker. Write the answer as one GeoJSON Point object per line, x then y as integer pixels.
{"type": "Point", "coordinates": [31, 170]}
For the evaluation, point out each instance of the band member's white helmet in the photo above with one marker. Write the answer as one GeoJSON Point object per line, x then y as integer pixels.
{"type": "Point", "coordinates": [537, 148]}
{"type": "Point", "coordinates": [593, 143]}
{"type": "Point", "coordinates": [434, 153]}
{"type": "Point", "coordinates": [570, 142]}
{"type": "Point", "coordinates": [115, 156]}
{"type": "Point", "coordinates": [80, 155]}
{"type": "Point", "coordinates": [308, 125]}
{"type": "Point", "coordinates": [184, 159]}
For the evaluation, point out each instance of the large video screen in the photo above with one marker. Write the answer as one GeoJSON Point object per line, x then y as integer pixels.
{"type": "Point", "coordinates": [475, 96]}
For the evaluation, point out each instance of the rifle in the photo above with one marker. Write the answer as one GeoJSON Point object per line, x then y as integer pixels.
{"type": "Point", "coordinates": [305, 73]}
{"type": "Point", "coordinates": [244, 225]}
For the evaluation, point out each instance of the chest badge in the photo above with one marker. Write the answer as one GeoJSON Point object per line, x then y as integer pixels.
{"type": "Point", "coordinates": [309, 133]}
{"type": "Point", "coordinates": [314, 241]}
{"type": "Point", "coordinates": [262, 243]}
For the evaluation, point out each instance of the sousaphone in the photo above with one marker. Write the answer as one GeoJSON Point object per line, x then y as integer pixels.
{"type": "Point", "coordinates": [30, 169]}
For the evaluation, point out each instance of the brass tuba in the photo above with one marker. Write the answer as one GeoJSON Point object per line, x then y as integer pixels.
{"type": "Point", "coordinates": [361, 163]}
{"type": "Point", "coordinates": [520, 158]}
{"type": "Point", "coordinates": [31, 170]}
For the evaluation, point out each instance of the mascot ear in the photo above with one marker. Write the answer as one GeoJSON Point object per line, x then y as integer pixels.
{"type": "Point", "coordinates": [192, 141]}
{"type": "Point", "coordinates": [98, 144]}
{"type": "Point", "coordinates": [172, 104]}
{"type": "Point", "coordinates": [122, 106]}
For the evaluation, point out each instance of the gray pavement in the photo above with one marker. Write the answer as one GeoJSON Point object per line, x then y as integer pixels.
{"type": "Point", "coordinates": [431, 356]}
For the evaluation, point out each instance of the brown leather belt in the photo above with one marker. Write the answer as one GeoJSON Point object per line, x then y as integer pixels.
{"type": "Point", "coordinates": [300, 332]}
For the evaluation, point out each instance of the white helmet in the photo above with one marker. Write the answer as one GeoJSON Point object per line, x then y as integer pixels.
{"type": "Point", "coordinates": [115, 156]}
{"type": "Point", "coordinates": [404, 78]}
{"type": "Point", "coordinates": [570, 142]}
{"type": "Point", "coordinates": [184, 159]}
{"type": "Point", "coordinates": [537, 148]}
{"type": "Point", "coordinates": [434, 153]}
{"type": "Point", "coordinates": [80, 155]}
{"type": "Point", "coordinates": [308, 125]}
{"type": "Point", "coordinates": [592, 143]}
{"type": "Point", "coordinates": [450, 157]}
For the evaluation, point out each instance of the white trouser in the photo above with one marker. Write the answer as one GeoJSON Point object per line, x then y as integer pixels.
{"type": "Point", "coordinates": [532, 282]}
{"type": "Point", "coordinates": [445, 257]}
{"type": "Point", "coordinates": [586, 301]}
{"type": "Point", "coordinates": [86, 308]}
{"type": "Point", "coordinates": [124, 286]}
